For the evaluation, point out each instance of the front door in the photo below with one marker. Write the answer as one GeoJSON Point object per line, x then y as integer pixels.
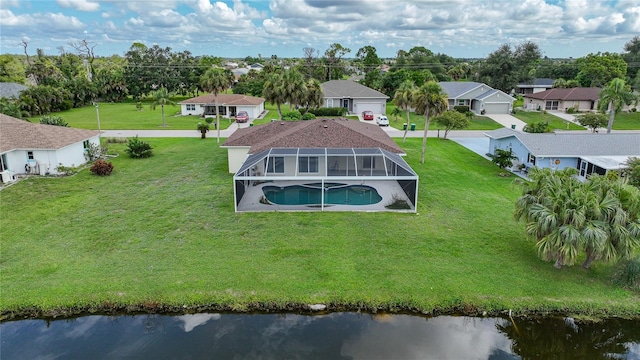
{"type": "Point", "coordinates": [583, 168]}
{"type": "Point", "coordinates": [345, 103]}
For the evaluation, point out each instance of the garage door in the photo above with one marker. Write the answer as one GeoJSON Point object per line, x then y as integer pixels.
{"type": "Point", "coordinates": [497, 108]}
{"type": "Point", "coordinates": [377, 108]}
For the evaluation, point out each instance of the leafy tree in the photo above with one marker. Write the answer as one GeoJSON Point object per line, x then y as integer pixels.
{"type": "Point", "coordinates": [592, 121]}
{"type": "Point", "coordinates": [505, 68]}
{"type": "Point", "coordinates": [333, 56]}
{"type": "Point", "coordinates": [557, 68]}
{"type": "Point", "coordinates": [403, 99]}
{"type": "Point", "coordinates": [431, 100]}
{"type": "Point", "coordinates": [452, 120]}
{"type": "Point", "coordinates": [44, 99]}
{"type": "Point", "coordinates": [632, 171]}
{"type": "Point", "coordinates": [12, 107]}
{"type": "Point", "coordinates": [53, 120]}
{"type": "Point", "coordinates": [203, 127]}
{"type": "Point", "coordinates": [537, 127]}
{"type": "Point", "coordinates": [599, 69]}
{"type": "Point", "coordinates": [368, 59]}
{"type": "Point", "coordinates": [217, 80]}
{"type": "Point", "coordinates": [565, 84]}
{"type": "Point", "coordinates": [161, 98]}
{"type": "Point", "coordinates": [614, 97]}
{"type": "Point", "coordinates": [632, 57]}
{"type": "Point", "coordinates": [11, 69]}
{"type": "Point", "coordinates": [503, 158]}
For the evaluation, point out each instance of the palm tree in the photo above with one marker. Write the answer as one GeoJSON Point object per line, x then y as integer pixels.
{"type": "Point", "coordinates": [273, 91]}
{"type": "Point", "coordinates": [294, 87]}
{"type": "Point", "coordinates": [403, 99]}
{"type": "Point", "coordinates": [217, 80]}
{"type": "Point", "coordinates": [203, 127]}
{"type": "Point", "coordinates": [161, 97]}
{"type": "Point", "coordinates": [431, 99]}
{"type": "Point", "coordinates": [614, 97]}
{"type": "Point", "coordinates": [313, 97]}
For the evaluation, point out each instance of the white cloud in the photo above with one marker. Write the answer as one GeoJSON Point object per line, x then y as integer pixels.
{"type": "Point", "coordinates": [81, 5]}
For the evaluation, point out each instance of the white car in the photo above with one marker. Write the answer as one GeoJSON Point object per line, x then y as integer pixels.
{"type": "Point", "coordinates": [382, 120]}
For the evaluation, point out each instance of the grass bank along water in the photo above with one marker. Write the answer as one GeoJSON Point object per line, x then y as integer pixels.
{"type": "Point", "coordinates": [160, 234]}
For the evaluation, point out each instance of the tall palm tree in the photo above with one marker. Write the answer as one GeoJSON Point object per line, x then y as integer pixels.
{"type": "Point", "coordinates": [403, 98]}
{"type": "Point", "coordinates": [294, 87]}
{"type": "Point", "coordinates": [161, 98]}
{"type": "Point", "coordinates": [614, 97]}
{"type": "Point", "coordinates": [273, 91]}
{"type": "Point", "coordinates": [217, 80]}
{"type": "Point", "coordinates": [313, 97]}
{"type": "Point", "coordinates": [431, 99]}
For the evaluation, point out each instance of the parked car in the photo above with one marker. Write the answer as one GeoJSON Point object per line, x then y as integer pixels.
{"type": "Point", "coordinates": [242, 117]}
{"type": "Point", "coordinates": [367, 115]}
{"type": "Point", "coordinates": [382, 120]}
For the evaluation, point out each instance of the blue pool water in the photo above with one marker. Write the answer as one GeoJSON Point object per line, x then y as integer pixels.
{"type": "Point", "coordinates": [311, 194]}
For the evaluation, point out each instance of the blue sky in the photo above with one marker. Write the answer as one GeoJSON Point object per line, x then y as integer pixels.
{"type": "Point", "coordinates": [240, 28]}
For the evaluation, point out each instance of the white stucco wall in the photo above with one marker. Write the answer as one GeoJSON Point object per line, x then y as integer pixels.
{"type": "Point", "coordinates": [236, 157]}
{"type": "Point", "coordinates": [198, 111]}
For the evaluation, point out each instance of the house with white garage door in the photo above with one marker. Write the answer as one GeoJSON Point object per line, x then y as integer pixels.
{"type": "Point", "coordinates": [354, 97]}
{"type": "Point", "coordinates": [480, 98]}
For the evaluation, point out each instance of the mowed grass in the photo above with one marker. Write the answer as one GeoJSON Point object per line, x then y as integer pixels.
{"type": "Point", "coordinates": [555, 123]}
{"type": "Point", "coordinates": [477, 122]}
{"type": "Point", "coordinates": [125, 116]}
{"type": "Point", "coordinates": [163, 231]}
{"type": "Point", "coordinates": [627, 121]}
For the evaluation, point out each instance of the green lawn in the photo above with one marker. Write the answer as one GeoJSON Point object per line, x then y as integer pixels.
{"type": "Point", "coordinates": [125, 116]}
{"type": "Point", "coordinates": [627, 121]}
{"type": "Point", "coordinates": [163, 231]}
{"type": "Point", "coordinates": [555, 123]}
{"type": "Point", "coordinates": [477, 122]}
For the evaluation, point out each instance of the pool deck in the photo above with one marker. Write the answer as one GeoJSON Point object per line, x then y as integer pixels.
{"type": "Point", "coordinates": [388, 190]}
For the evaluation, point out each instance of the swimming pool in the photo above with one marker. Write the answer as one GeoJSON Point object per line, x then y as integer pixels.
{"type": "Point", "coordinates": [311, 194]}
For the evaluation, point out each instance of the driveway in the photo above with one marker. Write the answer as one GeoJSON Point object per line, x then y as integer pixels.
{"type": "Point", "coordinates": [508, 121]}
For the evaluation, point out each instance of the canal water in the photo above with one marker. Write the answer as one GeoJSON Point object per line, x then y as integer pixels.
{"type": "Point", "coordinates": [331, 336]}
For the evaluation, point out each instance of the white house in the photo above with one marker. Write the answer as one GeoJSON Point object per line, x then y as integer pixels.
{"type": "Point", "coordinates": [480, 98]}
{"type": "Point", "coordinates": [355, 97]}
{"type": "Point", "coordinates": [39, 149]}
{"type": "Point", "coordinates": [228, 105]}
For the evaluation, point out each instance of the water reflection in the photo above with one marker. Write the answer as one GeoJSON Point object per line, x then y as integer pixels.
{"type": "Point", "coordinates": [333, 336]}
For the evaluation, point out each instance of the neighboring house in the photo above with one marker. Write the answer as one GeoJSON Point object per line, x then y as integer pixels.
{"type": "Point", "coordinates": [587, 152]}
{"type": "Point", "coordinates": [316, 155]}
{"type": "Point", "coordinates": [256, 66]}
{"type": "Point", "coordinates": [534, 86]}
{"type": "Point", "coordinates": [480, 98]}
{"type": "Point", "coordinates": [11, 90]}
{"type": "Point", "coordinates": [39, 149]}
{"type": "Point", "coordinates": [580, 99]}
{"type": "Point", "coordinates": [228, 105]}
{"type": "Point", "coordinates": [355, 97]}
{"type": "Point", "coordinates": [237, 72]}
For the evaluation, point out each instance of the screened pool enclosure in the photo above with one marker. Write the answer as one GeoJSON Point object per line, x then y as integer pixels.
{"type": "Point", "coordinates": [325, 179]}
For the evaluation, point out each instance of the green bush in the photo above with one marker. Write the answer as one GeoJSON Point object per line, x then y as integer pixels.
{"type": "Point", "coordinates": [570, 110]}
{"type": "Point", "coordinates": [53, 120]}
{"type": "Point", "coordinates": [138, 149]}
{"type": "Point", "coordinates": [628, 274]}
{"type": "Point", "coordinates": [461, 108]}
{"type": "Point", "coordinates": [537, 127]}
{"type": "Point", "coordinates": [308, 116]}
{"type": "Point", "coordinates": [101, 168]}
{"type": "Point", "coordinates": [291, 115]}
{"type": "Point", "coordinates": [336, 111]}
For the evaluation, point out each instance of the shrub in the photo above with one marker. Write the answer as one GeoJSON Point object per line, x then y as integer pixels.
{"type": "Point", "coordinates": [66, 170]}
{"type": "Point", "coordinates": [116, 140]}
{"type": "Point", "coordinates": [537, 127]}
{"type": "Point", "coordinates": [101, 168]}
{"type": "Point", "coordinates": [92, 151]}
{"type": "Point", "coordinates": [53, 120]}
{"type": "Point", "coordinates": [308, 116]}
{"type": "Point", "coordinates": [336, 111]}
{"type": "Point", "coordinates": [291, 115]}
{"type": "Point", "coordinates": [461, 108]}
{"type": "Point", "coordinates": [138, 149]}
{"type": "Point", "coordinates": [570, 110]}
{"type": "Point", "coordinates": [628, 274]}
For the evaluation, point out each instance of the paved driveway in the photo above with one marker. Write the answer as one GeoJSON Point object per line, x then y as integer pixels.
{"type": "Point", "coordinates": [508, 121]}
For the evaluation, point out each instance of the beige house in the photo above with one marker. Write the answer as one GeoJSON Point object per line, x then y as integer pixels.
{"type": "Point", "coordinates": [580, 99]}
{"type": "Point", "coordinates": [228, 105]}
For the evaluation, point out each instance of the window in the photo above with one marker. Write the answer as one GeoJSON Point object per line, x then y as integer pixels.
{"type": "Point", "coordinates": [531, 159]}
{"type": "Point", "coordinates": [30, 155]}
{"type": "Point", "coordinates": [85, 144]}
{"type": "Point", "coordinates": [191, 107]}
{"type": "Point", "coordinates": [308, 164]}
{"type": "Point", "coordinates": [368, 162]}
{"type": "Point", "coordinates": [462, 102]}
{"type": "Point", "coordinates": [551, 105]}
{"type": "Point", "coordinates": [274, 164]}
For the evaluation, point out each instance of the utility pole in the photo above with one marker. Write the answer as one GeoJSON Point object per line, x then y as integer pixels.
{"type": "Point", "coordinates": [97, 114]}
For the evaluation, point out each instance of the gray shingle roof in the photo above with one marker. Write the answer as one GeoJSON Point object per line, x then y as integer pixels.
{"type": "Point", "coordinates": [318, 133]}
{"type": "Point", "coordinates": [568, 144]}
{"type": "Point", "coordinates": [21, 134]}
{"type": "Point", "coordinates": [455, 89]}
{"type": "Point", "coordinates": [10, 90]}
{"type": "Point", "coordinates": [349, 89]}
